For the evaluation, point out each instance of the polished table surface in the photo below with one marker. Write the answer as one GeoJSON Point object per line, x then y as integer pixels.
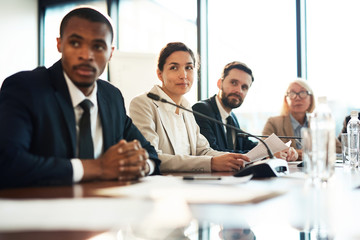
{"type": "Point", "coordinates": [304, 211]}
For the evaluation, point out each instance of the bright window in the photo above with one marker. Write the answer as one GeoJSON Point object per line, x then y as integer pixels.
{"type": "Point", "coordinates": [333, 51]}
{"type": "Point", "coordinates": [53, 17]}
{"type": "Point", "coordinates": [146, 26]}
{"type": "Point", "coordinates": [262, 34]}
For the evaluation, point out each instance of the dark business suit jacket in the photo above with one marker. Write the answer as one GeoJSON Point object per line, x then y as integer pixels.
{"type": "Point", "coordinates": [38, 129]}
{"type": "Point", "coordinates": [215, 132]}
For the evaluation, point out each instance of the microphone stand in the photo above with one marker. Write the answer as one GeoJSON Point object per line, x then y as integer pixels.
{"type": "Point", "coordinates": [272, 167]}
{"type": "Point", "coordinates": [264, 136]}
{"type": "Point", "coordinates": [284, 137]}
{"type": "Point", "coordinates": [158, 98]}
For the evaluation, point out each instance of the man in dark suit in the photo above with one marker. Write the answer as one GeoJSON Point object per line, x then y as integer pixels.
{"type": "Point", "coordinates": [233, 86]}
{"type": "Point", "coordinates": [42, 116]}
{"type": "Point", "coordinates": [344, 129]}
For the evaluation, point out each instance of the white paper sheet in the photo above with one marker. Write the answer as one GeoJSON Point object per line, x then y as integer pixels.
{"type": "Point", "coordinates": [157, 187]}
{"type": "Point", "coordinates": [275, 144]}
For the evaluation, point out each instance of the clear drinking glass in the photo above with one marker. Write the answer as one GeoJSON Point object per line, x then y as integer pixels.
{"type": "Point", "coordinates": [306, 143]}
{"type": "Point", "coordinates": [318, 159]}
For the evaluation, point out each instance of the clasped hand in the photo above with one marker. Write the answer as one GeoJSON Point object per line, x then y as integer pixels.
{"type": "Point", "coordinates": [125, 161]}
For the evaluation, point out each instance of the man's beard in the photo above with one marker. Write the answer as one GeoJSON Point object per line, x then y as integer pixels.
{"type": "Point", "coordinates": [231, 104]}
{"type": "Point", "coordinates": [83, 85]}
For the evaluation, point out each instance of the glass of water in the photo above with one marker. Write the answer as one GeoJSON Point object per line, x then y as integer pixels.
{"type": "Point", "coordinates": [306, 142]}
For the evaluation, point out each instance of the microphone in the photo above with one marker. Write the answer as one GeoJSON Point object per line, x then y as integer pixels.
{"type": "Point", "coordinates": [156, 97]}
{"type": "Point", "coordinates": [264, 136]}
{"type": "Point", "coordinates": [272, 167]}
{"type": "Point", "coordinates": [284, 137]}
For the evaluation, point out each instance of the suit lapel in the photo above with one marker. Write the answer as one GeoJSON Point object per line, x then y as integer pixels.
{"type": "Point", "coordinates": [63, 97]}
{"type": "Point", "coordinates": [239, 140]}
{"type": "Point", "coordinates": [288, 128]}
{"type": "Point", "coordinates": [218, 117]}
{"type": "Point", "coordinates": [165, 121]}
{"type": "Point", "coordinates": [190, 130]}
{"type": "Point", "coordinates": [105, 112]}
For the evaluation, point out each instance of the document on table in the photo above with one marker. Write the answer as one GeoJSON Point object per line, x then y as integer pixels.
{"type": "Point", "coordinates": [275, 144]}
{"type": "Point", "coordinates": [162, 187]}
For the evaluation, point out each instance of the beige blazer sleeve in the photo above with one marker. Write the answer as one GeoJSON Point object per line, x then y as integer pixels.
{"type": "Point", "coordinates": [151, 118]}
{"type": "Point", "coordinates": [281, 126]}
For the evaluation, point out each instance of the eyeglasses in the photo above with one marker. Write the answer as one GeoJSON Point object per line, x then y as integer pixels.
{"type": "Point", "coordinates": [302, 94]}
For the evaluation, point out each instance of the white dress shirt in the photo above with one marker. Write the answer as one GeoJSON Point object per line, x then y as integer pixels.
{"type": "Point", "coordinates": [96, 128]}
{"type": "Point", "coordinates": [177, 121]}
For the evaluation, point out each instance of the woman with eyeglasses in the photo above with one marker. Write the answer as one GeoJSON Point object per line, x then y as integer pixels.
{"type": "Point", "coordinates": [299, 99]}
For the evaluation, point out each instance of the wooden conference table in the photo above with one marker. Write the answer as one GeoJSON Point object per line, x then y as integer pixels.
{"type": "Point", "coordinates": [303, 211]}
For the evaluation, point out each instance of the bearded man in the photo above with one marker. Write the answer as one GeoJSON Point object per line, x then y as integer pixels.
{"type": "Point", "coordinates": [233, 86]}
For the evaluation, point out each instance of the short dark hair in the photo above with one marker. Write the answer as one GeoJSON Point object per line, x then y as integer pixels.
{"type": "Point", "coordinates": [89, 14]}
{"type": "Point", "coordinates": [169, 49]}
{"type": "Point", "coordinates": [237, 65]}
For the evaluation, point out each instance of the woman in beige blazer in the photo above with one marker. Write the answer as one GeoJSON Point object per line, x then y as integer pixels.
{"type": "Point", "coordinates": [298, 101]}
{"type": "Point", "coordinates": [172, 131]}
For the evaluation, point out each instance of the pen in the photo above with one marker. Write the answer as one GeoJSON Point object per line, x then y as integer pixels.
{"type": "Point", "coordinates": [201, 178]}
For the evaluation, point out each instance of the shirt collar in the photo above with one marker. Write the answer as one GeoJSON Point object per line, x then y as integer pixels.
{"type": "Point", "coordinates": [296, 124]}
{"type": "Point", "coordinates": [77, 96]}
{"type": "Point", "coordinates": [169, 107]}
{"type": "Point", "coordinates": [224, 114]}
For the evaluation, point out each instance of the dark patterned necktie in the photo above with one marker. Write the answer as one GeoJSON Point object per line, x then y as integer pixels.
{"type": "Point", "coordinates": [229, 133]}
{"type": "Point", "coordinates": [86, 146]}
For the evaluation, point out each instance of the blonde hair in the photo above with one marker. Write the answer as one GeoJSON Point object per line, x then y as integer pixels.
{"type": "Point", "coordinates": [303, 83]}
